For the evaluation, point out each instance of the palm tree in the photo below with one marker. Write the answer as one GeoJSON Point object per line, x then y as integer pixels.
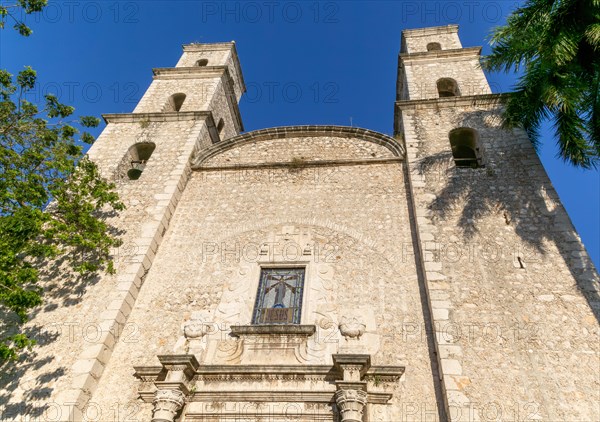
{"type": "Point", "coordinates": [557, 44]}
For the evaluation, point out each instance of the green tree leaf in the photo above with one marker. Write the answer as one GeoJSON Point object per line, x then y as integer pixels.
{"type": "Point", "coordinates": [51, 202]}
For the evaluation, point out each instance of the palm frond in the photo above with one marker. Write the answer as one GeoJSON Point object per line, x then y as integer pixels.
{"type": "Point", "coordinates": [592, 35]}
{"type": "Point", "coordinates": [557, 43]}
{"type": "Point", "coordinates": [518, 42]}
{"type": "Point", "coordinates": [573, 146]}
{"type": "Point", "coordinates": [591, 110]}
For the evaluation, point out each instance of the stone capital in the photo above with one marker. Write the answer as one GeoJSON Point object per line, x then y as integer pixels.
{"type": "Point", "coordinates": [353, 367]}
{"type": "Point", "coordinates": [167, 402]}
{"type": "Point", "coordinates": [180, 368]}
{"type": "Point", "coordinates": [351, 404]}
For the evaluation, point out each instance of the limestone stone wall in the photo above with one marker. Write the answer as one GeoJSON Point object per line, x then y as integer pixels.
{"type": "Point", "coordinates": [199, 93]}
{"type": "Point", "coordinates": [306, 149]}
{"type": "Point", "coordinates": [214, 57]}
{"type": "Point", "coordinates": [416, 40]}
{"type": "Point", "coordinates": [348, 225]}
{"type": "Point", "coordinates": [514, 295]}
{"type": "Point", "coordinates": [224, 108]}
{"type": "Point", "coordinates": [423, 73]}
{"type": "Point", "coordinates": [221, 54]}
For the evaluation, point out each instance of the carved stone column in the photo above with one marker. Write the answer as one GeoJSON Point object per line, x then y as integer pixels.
{"type": "Point", "coordinates": [170, 394]}
{"type": "Point", "coordinates": [351, 404]}
{"type": "Point", "coordinates": [166, 405]}
{"type": "Point", "coordinates": [351, 395]}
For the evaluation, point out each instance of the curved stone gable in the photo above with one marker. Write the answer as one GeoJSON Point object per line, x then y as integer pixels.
{"type": "Point", "coordinates": [312, 144]}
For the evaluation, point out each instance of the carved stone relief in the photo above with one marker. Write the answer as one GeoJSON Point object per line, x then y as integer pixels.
{"type": "Point", "coordinates": [358, 328]}
{"type": "Point", "coordinates": [351, 404]}
{"type": "Point", "coordinates": [167, 404]}
{"type": "Point", "coordinates": [221, 391]}
{"type": "Point", "coordinates": [347, 328]}
{"type": "Point", "coordinates": [233, 308]}
{"type": "Point", "coordinates": [351, 328]}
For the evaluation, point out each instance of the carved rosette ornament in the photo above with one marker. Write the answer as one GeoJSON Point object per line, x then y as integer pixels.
{"type": "Point", "coordinates": [351, 404]}
{"type": "Point", "coordinates": [166, 405]}
{"type": "Point", "coordinates": [195, 328]}
{"type": "Point", "coordinates": [351, 328]}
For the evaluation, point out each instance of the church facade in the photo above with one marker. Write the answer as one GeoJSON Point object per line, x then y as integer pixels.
{"type": "Point", "coordinates": [327, 273]}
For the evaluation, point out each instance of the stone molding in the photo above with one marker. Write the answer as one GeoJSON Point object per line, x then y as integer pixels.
{"type": "Point", "coordinates": [352, 367]}
{"type": "Point", "coordinates": [301, 131]}
{"type": "Point", "coordinates": [290, 396]}
{"type": "Point", "coordinates": [253, 372]}
{"type": "Point", "coordinates": [450, 102]}
{"type": "Point", "coordinates": [305, 164]}
{"type": "Point", "coordinates": [432, 30]}
{"type": "Point", "coordinates": [435, 55]}
{"type": "Point", "coordinates": [213, 46]}
{"type": "Point", "coordinates": [172, 116]}
{"type": "Point", "coordinates": [220, 410]}
{"type": "Point", "coordinates": [186, 365]}
{"type": "Point", "coordinates": [273, 329]}
{"type": "Point", "coordinates": [183, 373]}
{"type": "Point", "coordinates": [192, 72]}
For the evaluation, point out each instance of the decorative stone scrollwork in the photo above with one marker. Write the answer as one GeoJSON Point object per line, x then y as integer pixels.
{"type": "Point", "coordinates": [351, 404]}
{"type": "Point", "coordinates": [352, 328]}
{"type": "Point", "coordinates": [166, 405]}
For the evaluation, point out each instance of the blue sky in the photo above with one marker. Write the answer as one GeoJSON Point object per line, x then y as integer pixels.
{"type": "Point", "coordinates": [304, 62]}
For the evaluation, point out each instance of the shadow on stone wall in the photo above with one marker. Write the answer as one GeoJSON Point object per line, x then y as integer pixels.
{"type": "Point", "coordinates": [522, 203]}
{"type": "Point", "coordinates": [27, 385]}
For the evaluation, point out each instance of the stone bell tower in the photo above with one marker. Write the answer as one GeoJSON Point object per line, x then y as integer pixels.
{"type": "Point", "coordinates": [513, 295]}
{"type": "Point", "coordinates": [147, 153]}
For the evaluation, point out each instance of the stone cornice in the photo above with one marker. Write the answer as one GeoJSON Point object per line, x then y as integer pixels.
{"type": "Point", "coordinates": [281, 396]}
{"type": "Point", "coordinates": [304, 164]}
{"type": "Point", "coordinates": [441, 54]}
{"type": "Point", "coordinates": [433, 30]}
{"type": "Point", "coordinates": [189, 72]}
{"type": "Point", "coordinates": [173, 116]}
{"type": "Point", "coordinates": [383, 373]}
{"type": "Point", "coordinates": [207, 374]}
{"type": "Point", "coordinates": [188, 363]}
{"type": "Point", "coordinates": [288, 329]}
{"type": "Point", "coordinates": [449, 102]}
{"type": "Point", "coordinates": [213, 46]}
{"type": "Point", "coordinates": [246, 383]}
{"type": "Point", "coordinates": [298, 132]}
